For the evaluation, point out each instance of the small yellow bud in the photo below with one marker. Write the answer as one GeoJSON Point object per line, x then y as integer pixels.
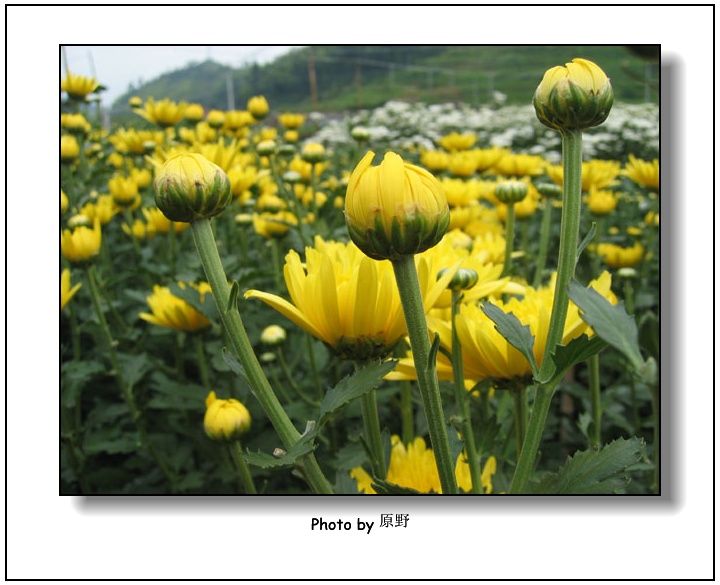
{"type": "Point", "coordinates": [81, 245]}
{"type": "Point", "coordinates": [135, 102]}
{"type": "Point", "coordinates": [225, 420]}
{"type": "Point", "coordinates": [69, 149]}
{"type": "Point", "coordinates": [189, 187]}
{"type": "Point", "coordinates": [573, 97]}
{"type": "Point", "coordinates": [215, 118]}
{"type": "Point", "coordinates": [194, 113]}
{"type": "Point", "coordinates": [273, 335]}
{"type": "Point", "coordinates": [266, 147]}
{"type": "Point", "coordinates": [258, 107]}
{"type": "Point", "coordinates": [394, 209]}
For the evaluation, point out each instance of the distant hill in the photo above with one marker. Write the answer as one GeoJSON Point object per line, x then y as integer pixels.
{"type": "Point", "coordinates": [348, 77]}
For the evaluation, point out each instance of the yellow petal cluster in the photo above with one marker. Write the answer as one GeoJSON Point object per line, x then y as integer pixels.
{"type": "Point", "coordinates": [81, 245]}
{"type": "Point", "coordinates": [77, 86]}
{"type": "Point", "coordinates": [165, 113]}
{"type": "Point", "coordinates": [486, 353]}
{"type": "Point", "coordinates": [175, 313]}
{"type": "Point", "coordinates": [346, 300]}
{"type": "Point", "coordinates": [67, 292]}
{"type": "Point", "coordinates": [394, 209]}
{"type": "Point", "coordinates": [414, 467]}
{"type": "Point", "coordinates": [644, 173]}
{"type": "Point", "coordinates": [225, 419]}
{"type": "Point", "coordinates": [619, 256]}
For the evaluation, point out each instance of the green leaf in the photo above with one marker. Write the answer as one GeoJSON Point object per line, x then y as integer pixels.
{"type": "Point", "coordinates": [361, 382]}
{"type": "Point", "coordinates": [386, 488]}
{"type": "Point", "coordinates": [516, 334]}
{"type": "Point", "coordinates": [235, 366]}
{"type": "Point", "coordinates": [74, 377]}
{"type": "Point", "coordinates": [134, 367]}
{"type": "Point", "coordinates": [232, 301]}
{"type": "Point", "coordinates": [576, 351]}
{"type": "Point", "coordinates": [266, 461]}
{"type": "Point", "coordinates": [594, 472]}
{"type": "Point", "coordinates": [191, 296]}
{"type": "Point", "coordinates": [109, 440]}
{"type": "Point", "coordinates": [586, 240]}
{"type": "Point", "coordinates": [610, 322]}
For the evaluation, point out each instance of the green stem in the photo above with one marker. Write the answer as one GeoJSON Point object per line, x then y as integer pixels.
{"type": "Point", "coordinates": [207, 250]}
{"type": "Point", "coordinates": [202, 361]}
{"type": "Point", "coordinates": [242, 467]}
{"type": "Point", "coordinates": [371, 422]}
{"type": "Point", "coordinates": [655, 393]}
{"type": "Point", "coordinates": [462, 402]}
{"type": "Point", "coordinates": [413, 309]}
{"type": "Point", "coordinates": [569, 230]}
{"type": "Point", "coordinates": [406, 412]}
{"type": "Point", "coordinates": [594, 383]}
{"type": "Point", "coordinates": [544, 242]}
{"type": "Point", "coordinates": [509, 237]}
{"type": "Point", "coordinates": [521, 415]}
{"type": "Point", "coordinates": [124, 388]}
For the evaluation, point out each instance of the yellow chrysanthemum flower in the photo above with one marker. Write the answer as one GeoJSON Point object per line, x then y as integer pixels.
{"type": "Point", "coordinates": [486, 353]}
{"type": "Point", "coordinates": [620, 257]}
{"type": "Point", "coordinates": [456, 141]}
{"type": "Point", "coordinates": [291, 121]}
{"type": "Point", "coordinates": [165, 113]}
{"type": "Point", "coordinates": [414, 467]}
{"type": "Point", "coordinates": [103, 208]}
{"type": "Point", "coordinates": [274, 225]}
{"type": "Point", "coordinates": [175, 313]}
{"type": "Point", "coordinates": [136, 141]}
{"type": "Point", "coordinates": [435, 160]}
{"type": "Point", "coordinates": [139, 230]}
{"type": "Point", "coordinates": [519, 165]}
{"type": "Point", "coordinates": [601, 202]}
{"type": "Point", "coordinates": [81, 245]}
{"type": "Point", "coordinates": [66, 292]}
{"type": "Point", "coordinates": [78, 87]}
{"type": "Point", "coordinates": [447, 254]}
{"type": "Point", "coordinates": [69, 148]}
{"type": "Point", "coordinates": [347, 300]}
{"type": "Point", "coordinates": [644, 173]}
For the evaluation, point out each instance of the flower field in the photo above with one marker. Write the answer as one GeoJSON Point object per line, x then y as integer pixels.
{"type": "Point", "coordinates": [413, 299]}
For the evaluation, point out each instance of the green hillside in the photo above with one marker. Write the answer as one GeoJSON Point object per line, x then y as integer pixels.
{"type": "Point", "coordinates": [347, 77]}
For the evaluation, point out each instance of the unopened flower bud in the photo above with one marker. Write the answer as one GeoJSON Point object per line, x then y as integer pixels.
{"type": "Point", "coordinates": [81, 246]}
{"type": "Point", "coordinates": [273, 335]}
{"type": "Point", "coordinates": [313, 152]}
{"type": "Point", "coordinates": [509, 192]}
{"type": "Point", "coordinates": [463, 279]}
{"type": "Point", "coordinates": [549, 190]}
{"type": "Point", "coordinates": [189, 187]}
{"type": "Point", "coordinates": [225, 420]}
{"type": "Point", "coordinates": [258, 107]}
{"type": "Point", "coordinates": [266, 147]}
{"type": "Point", "coordinates": [287, 150]}
{"type": "Point", "coordinates": [215, 119]}
{"type": "Point", "coordinates": [292, 177]}
{"type": "Point", "coordinates": [360, 134]}
{"type": "Point", "coordinates": [135, 102]}
{"type": "Point", "coordinates": [573, 97]}
{"type": "Point", "coordinates": [394, 209]}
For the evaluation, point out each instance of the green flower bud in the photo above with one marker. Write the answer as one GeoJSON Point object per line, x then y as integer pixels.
{"type": "Point", "coordinates": [360, 134]}
{"type": "Point", "coordinates": [266, 147]}
{"type": "Point", "coordinates": [573, 97]}
{"type": "Point", "coordinates": [313, 152]}
{"type": "Point", "coordinates": [395, 209]}
{"type": "Point", "coordinates": [189, 187]}
{"type": "Point", "coordinates": [511, 191]}
{"type": "Point", "coordinates": [549, 190]}
{"type": "Point", "coordinates": [287, 150]}
{"type": "Point", "coordinates": [464, 278]}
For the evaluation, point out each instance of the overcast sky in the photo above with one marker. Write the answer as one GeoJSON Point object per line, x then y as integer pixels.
{"type": "Point", "coordinates": [116, 67]}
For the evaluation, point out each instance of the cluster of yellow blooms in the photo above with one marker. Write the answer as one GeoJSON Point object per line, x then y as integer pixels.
{"type": "Point", "coordinates": [342, 293]}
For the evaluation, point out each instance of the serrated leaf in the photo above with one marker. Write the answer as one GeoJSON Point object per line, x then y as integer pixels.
{"type": "Point", "coordinates": [576, 351]}
{"type": "Point", "coordinates": [361, 382]}
{"type": "Point", "coordinates": [108, 441]}
{"type": "Point", "coordinates": [594, 472]}
{"type": "Point", "coordinates": [134, 367]}
{"type": "Point", "coordinates": [516, 334]}
{"type": "Point", "coordinates": [266, 461]}
{"type": "Point", "coordinates": [386, 488]}
{"type": "Point", "coordinates": [75, 375]}
{"type": "Point", "coordinates": [610, 322]}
